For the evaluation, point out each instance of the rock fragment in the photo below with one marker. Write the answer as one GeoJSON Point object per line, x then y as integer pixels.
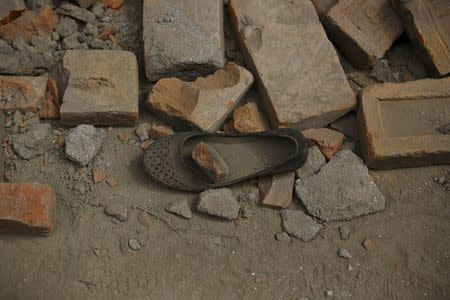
{"type": "Point", "coordinates": [76, 12]}
{"type": "Point", "coordinates": [363, 30]}
{"type": "Point", "coordinates": [158, 131]}
{"type": "Point", "coordinates": [248, 118]}
{"type": "Point", "coordinates": [134, 244]}
{"type": "Point", "coordinates": [344, 253]}
{"type": "Point", "coordinates": [83, 143]}
{"type": "Point", "coordinates": [204, 103]}
{"type": "Point", "coordinates": [181, 208]}
{"type": "Point", "coordinates": [220, 203]}
{"type": "Point", "coordinates": [315, 161]}
{"type": "Point", "coordinates": [344, 232]}
{"type": "Point", "coordinates": [310, 98]}
{"type": "Point", "coordinates": [367, 244]}
{"type": "Point", "coordinates": [98, 175]}
{"type": "Point", "coordinates": [66, 26]}
{"type": "Point", "coordinates": [86, 3]}
{"type": "Point", "coordinates": [142, 131]}
{"type": "Point", "coordinates": [210, 162]}
{"type": "Point", "coordinates": [27, 207]}
{"type": "Point", "coordinates": [96, 92]}
{"type": "Point", "coordinates": [329, 141]}
{"type": "Point", "coordinates": [299, 225]}
{"type": "Point", "coordinates": [276, 190]}
{"type": "Point", "coordinates": [341, 190]}
{"type": "Point", "coordinates": [117, 211]}
{"type": "Point", "coordinates": [183, 38]}
{"type": "Point", "coordinates": [35, 142]}
{"type": "Point", "coordinates": [114, 4]}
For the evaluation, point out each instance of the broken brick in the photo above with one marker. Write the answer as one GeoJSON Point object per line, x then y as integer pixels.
{"type": "Point", "coordinates": [400, 124]}
{"type": "Point", "coordinates": [329, 141]}
{"type": "Point", "coordinates": [159, 131]}
{"type": "Point", "coordinates": [210, 162]}
{"type": "Point", "coordinates": [427, 25]}
{"type": "Point", "coordinates": [27, 207]}
{"type": "Point", "coordinates": [106, 32]}
{"type": "Point", "coordinates": [145, 145]}
{"type": "Point", "coordinates": [98, 175]}
{"type": "Point", "coordinates": [248, 118]}
{"type": "Point", "coordinates": [363, 30]}
{"type": "Point", "coordinates": [114, 4]}
{"type": "Point", "coordinates": [204, 103]}
{"type": "Point", "coordinates": [96, 92]}
{"type": "Point", "coordinates": [300, 80]}
{"type": "Point", "coordinates": [276, 191]}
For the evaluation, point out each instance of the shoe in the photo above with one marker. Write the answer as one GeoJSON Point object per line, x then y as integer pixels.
{"type": "Point", "coordinates": [169, 160]}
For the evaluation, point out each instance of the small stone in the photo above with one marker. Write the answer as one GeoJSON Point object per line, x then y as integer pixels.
{"type": "Point", "coordinates": [159, 131]}
{"type": "Point", "coordinates": [344, 253]}
{"type": "Point", "coordinates": [98, 9]}
{"type": "Point", "coordinates": [368, 244]}
{"type": "Point", "coordinates": [248, 119]}
{"type": "Point", "coordinates": [181, 208]}
{"type": "Point", "coordinates": [99, 44]}
{"type": "Point", "coordinates": [210, 162]}
{"type": "Point", "coordinates": [112, 182]}
{"type": "Point", "coordinates": [98, 176]}
{"type": "Point", "coordinates": [83, 142]}
{"type": "Point", "coordinates": [118, 211]}
{"type": "Point", "coordinates": [145, 144]}
{"type": "Point", "coordinates": [66, 26]}
{"type": "Point", "coordinates": [17, 117]}
{"type": "Point", "coordinates": [299, 225]}
{"type": "Point", "coordinates": [90, 29]}
{"type": "Point", "coordinates": [283, 237]}
{"type": "Point", "coordinates": [142, 131]}
{"type": "Point", "coordinates": [329, 293]}
{"type": "Point", "coordinates": [315, 161]}
{"type": "Point", "coordinates": [124, 137]}
{"type": "Point", "coordinates": [35, 142]}
{"type": "Point", "coordinates": [220, 203]}
{"type": "Point", "coordinates": [43, 44]}
{"type": "Point", "coordinates": [344, 232]}
{"type": "Point", "coordinates": [76, 12]}
{"type": "Point", "coordinates": [350, 267]}
{"type": "Point", "coordinates": [134, 244]}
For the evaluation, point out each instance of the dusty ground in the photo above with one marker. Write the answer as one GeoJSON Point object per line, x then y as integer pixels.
{"type": "Point", "coordinates": [88, 256]}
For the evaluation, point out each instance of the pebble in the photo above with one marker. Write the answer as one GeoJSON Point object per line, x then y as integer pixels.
{"type": "Point", "coordinates": [367, 244]}
{"type": "Point", "coordinates": [142, 131]}
{"type": "Point", "coordinates": [344, 253]}
{"type": "Point", "coordinates": [134, 244]}
{"type": "Point", "coordinates": [344, 232]}
{"type": "Point", "coordinates": [329, 293]}
{"type": "Point", "coordinates": [118, 211]}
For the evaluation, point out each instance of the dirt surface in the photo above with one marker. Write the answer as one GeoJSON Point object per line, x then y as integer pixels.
{"type": "Point", "coordinates": [88, 256]}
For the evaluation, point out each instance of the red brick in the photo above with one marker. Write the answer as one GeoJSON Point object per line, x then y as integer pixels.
{"type": "Point", "coordinates": [248, 118]}
{"type": "Point", "coordinates": [26, 93]}
{"type": "Point", "coordinates": [428, 26]}
{"type": "Point", "coordinates": [27, 207]}
{"type": "Point", "coordinates": [363, 30]}
{"type": "Point", "coordinates": [329, 141]}
{"type": "Point", "coordinates": [402, 124]}
{"type": "Point", "coordinates": [276, 191]}
{"type": "Point", "coordinates": [210, 162]}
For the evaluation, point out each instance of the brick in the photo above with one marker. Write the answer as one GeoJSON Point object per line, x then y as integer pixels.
{"type": "Point", "coordinates": [329, 141]}
{"type": "Point", "coordinates": [364, 30]}
{"type": "Point", "coordinates": [22, 92]}
{"type": "Point", "coordinates": [210, 162]}
{"type": "Point", "coordinates": [248, 118]}
{"type": "Point", "coordinates": [299, 77]}
{"type": "Point", "coordinates": [9, 9]}
{"type": "Point", "coordinates": [427, 25]}
{"type": "Point", "coordinates": [183, 38]}
{"type": "Point", "coordinates": [276, 191]}
{"type": "Point", "coordinates": [401, 124]}
{"type": "Point", "coordinates": [97, 92]}
{"type": "Point", "coordinates": [27, 207]}
{"type": "Point", "coordinates": [204, 103]}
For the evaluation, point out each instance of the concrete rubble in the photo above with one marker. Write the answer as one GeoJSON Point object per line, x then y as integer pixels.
{"type": "Point", "coordinates": [35, 142]}
{"type": "Point", "coordinates": [299, 225]}
{"type": "Point", "coordinates": [83, 143]}
{"type": "Point", "coordinates": [220, 203]}
{"type": "Point", "coordinates": [181, 208]}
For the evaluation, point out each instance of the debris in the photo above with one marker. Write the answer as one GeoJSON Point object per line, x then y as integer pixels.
{"type": "Point", "coordinates": [329, 141]}
{"type": "Point", "coordinates": [291, 97]}
{"type": "Point", "coordinates": [181, 40]}
{"type": "Point", "coordinates": [145, 144]}
{"type": "Point", "coordinates": [204, 103]}
{"type": "Point", "coordinates": [142, 131]}
{"type": "Point", "coordinates": [248, 118]}
{"type": "Point", "coordinates": [368, 244]}
{"type": "Point", "coordinates": [315, 161]}
{"type": "Point", "coordinates": [210, 162]}
{"type": "Point", "coordinates": [276, 190]}
{"type": "Point", "coordinates": [400, 124]}
{"type": "Point", "coordinates": [83, 143]}
{"type": "Point", "coordinates": [134, 244]}
{"type": "Point", "coordinates": [96, 93]}
{"type": "Point", "coordinates": [220, 203]}
{"type": "Point", "coordinates": [348, 125]}
{"type": "Point", "coordinates": [344, 253]}
{"type": "Point", "coordinates": [66, 27]}
{"type": "Point", "coordinates": [299, 225]}
{"type": "Point", "coordinates": [35, 142]}
{"type": "Point", "coordinates": [27, 207]}
{"type": "Point", "coordinates": [181, 208]}
{"type": "Point", "coordinates": [124, 137]}
{"type": "Point", "coordinates": [85, 3]}
{"type": "Point", "coordinates": [112, 182]}
{"type": "Point", "coordinates": [159, 131]}
{"type": "Point", "coordinates": [329, 293]}
{"type": "Point", "coordinates": [363, 31]}
{"type": "Point", "coordinates": [98, 175]}
{"type": "Point", "coordinates": [283, 237]}
{"type": "Point", "coordinates": [114, 4]}
{"type": "Point", "coordinates": [118, 211]}
{"type": "Point", "coordinates": [344, 232]}
{"type": "Point", "coordinates": [426, 24]}
{"type": "Point", "coordinates": [341, 190]}
{"type": "Point", "coordinates": [76, 12]}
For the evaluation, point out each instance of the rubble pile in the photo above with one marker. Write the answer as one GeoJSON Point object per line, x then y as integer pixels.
{"type": "Point", "coordinates": [343, 73]}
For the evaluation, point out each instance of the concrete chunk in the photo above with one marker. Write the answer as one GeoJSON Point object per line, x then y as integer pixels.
{"type": "Point", "coordinates": [183, 38]}
{"type": "Point", "coordinates": [204, 103]}
{"type": "Point", "coordinates": [297, 71]}
{"type": "Point", "coordinates": [403, 124]}
{"type": "Point", "coordinates": [102, 88]}
{"type": "Point", "coordinates": [341, 190]}
{"type": "Point", "coordinates": [427, 25]}
{"type": "Point", "coordinates": [83, 142]}
{"type": "Point", "coordinates": [220, 203]}
{"type": "Point", "coordinates": [363, 30]}
{"type": "Point", "coordinates": [299, 225]}
{"type": "Point", "coordinates": [315, 161]}
{"type": "Point", "coordinates": [36, 141]}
